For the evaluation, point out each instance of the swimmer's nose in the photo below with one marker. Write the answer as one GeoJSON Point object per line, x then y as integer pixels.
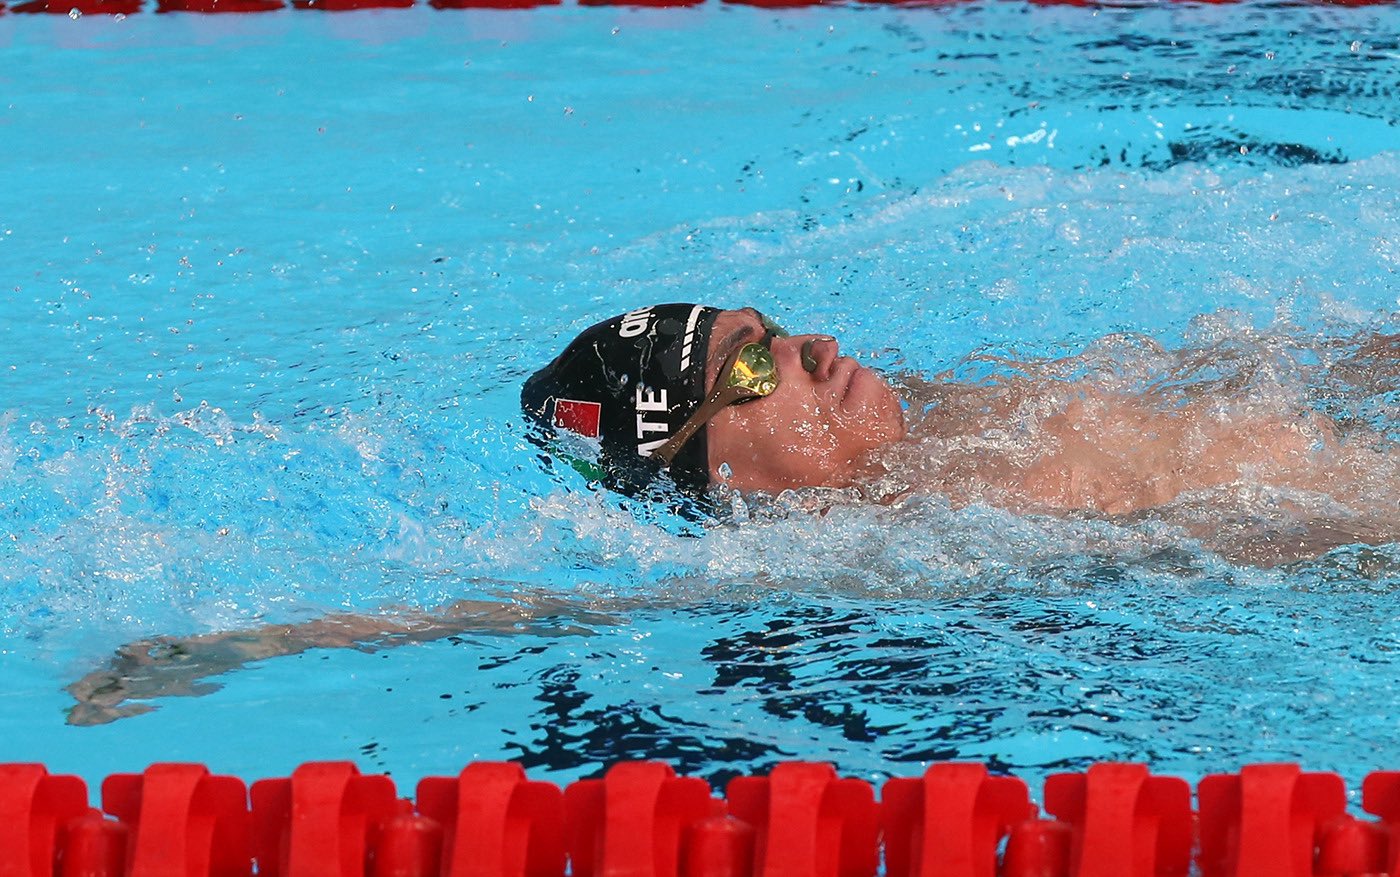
{"type": "Point", "coordinates": [818, 355]}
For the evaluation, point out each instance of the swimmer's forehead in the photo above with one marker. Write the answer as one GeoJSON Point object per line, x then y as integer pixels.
{"type": "Point", "coordinates": [732, 330]}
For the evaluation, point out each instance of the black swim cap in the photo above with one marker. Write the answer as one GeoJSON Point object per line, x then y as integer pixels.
{"type": "Point", "coordinates": [630, 382]}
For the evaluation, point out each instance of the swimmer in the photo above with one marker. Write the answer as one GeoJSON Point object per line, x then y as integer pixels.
{"type": "Point", "coordinates": [713, 397]}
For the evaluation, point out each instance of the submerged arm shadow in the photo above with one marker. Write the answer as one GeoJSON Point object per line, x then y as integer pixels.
{"type": "Point", "coordinates": [181, 666]}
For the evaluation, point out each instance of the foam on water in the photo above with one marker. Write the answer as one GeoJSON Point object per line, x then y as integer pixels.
{"type": "Point", "coordinates": [416, 456]}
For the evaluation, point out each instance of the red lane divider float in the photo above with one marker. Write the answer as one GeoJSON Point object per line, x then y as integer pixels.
{"type": "Point", "coordinates": [216, 6]}
{"type": "Point", "coordinates": [492, 4]}
{"type": "Point", "coordinates": [642, 820]}
{"type": "Point", "coordinates": [1267, 820]}
{"type": "Point", "coordinates": [35, 810]}
{"type": "Point", "coordinates": [320, 821]}
{"type": "Point", "coordinates": [85, 7]}
{"type": "Point", "coordinates": [129, 7]}
{"type": "Point", "coordinates": [182, 819]}
{"type": "Point", "coordinates": [952, 822]}
{"type": "Point", "coordinates": [633, 821]}
{"type": "Point", "coordinates": [1125, 822]}
{"type": "Point", "coordinates": [498, 823]}
{"type": "Point", "coordinates": [809, 822]}
{"type": "Point", "coordinates": [346, 5]}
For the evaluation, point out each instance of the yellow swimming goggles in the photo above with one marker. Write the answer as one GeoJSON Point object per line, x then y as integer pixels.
{"type": "Point", "coordinates": [752, 373]}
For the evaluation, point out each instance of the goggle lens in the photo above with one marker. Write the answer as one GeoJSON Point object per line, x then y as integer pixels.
{"type": "Point", "coordinates": [754, 370]}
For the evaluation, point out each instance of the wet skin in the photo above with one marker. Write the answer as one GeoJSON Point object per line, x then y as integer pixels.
{"type": "Point", "coordinates": [1084, 449]}
{"type": "Point", "coordinates": [814, 430]}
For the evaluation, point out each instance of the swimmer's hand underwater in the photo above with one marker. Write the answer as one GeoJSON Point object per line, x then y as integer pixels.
{"type": "Point", "coordinates": [182, 666]}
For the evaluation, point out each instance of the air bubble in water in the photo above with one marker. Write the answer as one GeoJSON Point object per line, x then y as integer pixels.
{"type": "Point", "coordinates": [75, 13]}
{"type": "Point", "coordinates": [725, 472]}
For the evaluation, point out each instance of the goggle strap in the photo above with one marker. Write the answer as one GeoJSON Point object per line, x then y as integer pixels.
{"type": "Point", "coordinates": [721, 398]}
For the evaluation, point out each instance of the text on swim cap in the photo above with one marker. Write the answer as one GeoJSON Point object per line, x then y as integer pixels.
{"type": "Point", "coordinates": [650, 401]}
{"type": "Point", "coordinates": [635, 322]}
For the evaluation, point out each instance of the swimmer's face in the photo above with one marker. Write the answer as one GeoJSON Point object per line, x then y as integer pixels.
{"type": "Point", "coordinates": [814, 429]}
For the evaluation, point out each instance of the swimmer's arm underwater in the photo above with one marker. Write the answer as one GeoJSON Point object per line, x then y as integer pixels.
{"type": "Point", "coordinates": [181, 666]}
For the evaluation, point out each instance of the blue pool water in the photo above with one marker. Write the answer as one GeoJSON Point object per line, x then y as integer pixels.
{"type": "Point", "coordinates": [269, 286]}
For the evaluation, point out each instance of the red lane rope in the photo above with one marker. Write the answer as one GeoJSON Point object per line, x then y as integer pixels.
{"type": "Point", "coordinates": [642, 820]}
{"type": "Point", "coordinates": [130, 7]}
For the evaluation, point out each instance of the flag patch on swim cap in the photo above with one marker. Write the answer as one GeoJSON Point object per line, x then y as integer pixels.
{"type": "Point", "coordinates": [578, 416]}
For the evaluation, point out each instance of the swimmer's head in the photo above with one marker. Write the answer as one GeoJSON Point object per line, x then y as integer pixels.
{"type": "Point", "coordinates": [630, 383]}
{"type": "Point", "coordinates": [661, 385]}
